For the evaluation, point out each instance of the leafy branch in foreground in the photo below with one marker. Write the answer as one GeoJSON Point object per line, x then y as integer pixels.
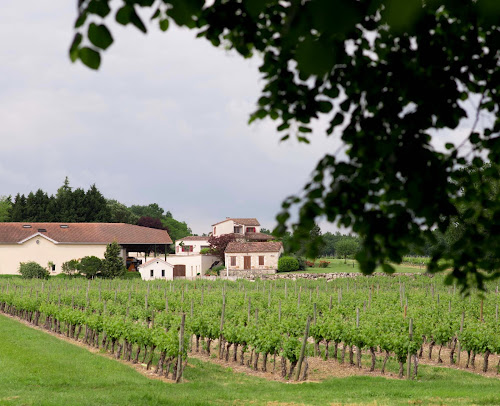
{"type": "Point", "coordinates": [387, 75]}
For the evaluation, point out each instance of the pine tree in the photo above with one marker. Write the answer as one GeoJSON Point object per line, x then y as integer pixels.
{"type": "Point", "coordinates": [113, 265]}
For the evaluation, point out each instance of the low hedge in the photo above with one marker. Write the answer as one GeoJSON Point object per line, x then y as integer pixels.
{"type": "Point", "coordinates": [288, 264]}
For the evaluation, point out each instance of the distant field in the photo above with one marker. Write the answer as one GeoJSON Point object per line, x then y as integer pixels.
{"type": "Point", "coordinates": [39, 369]}
{"type": "Point", "coordinates": [338, 265]}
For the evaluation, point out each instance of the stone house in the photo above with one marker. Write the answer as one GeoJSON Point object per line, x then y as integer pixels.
{"type": "Point", "coordinates": [261, 256]}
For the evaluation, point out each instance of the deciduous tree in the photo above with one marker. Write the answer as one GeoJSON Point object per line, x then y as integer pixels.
{"type": "Point", "coordinates": [387, 75]}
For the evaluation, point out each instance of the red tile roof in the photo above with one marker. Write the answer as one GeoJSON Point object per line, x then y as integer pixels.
{"type": "Point", "coordinates": [259, 236]}
{"type": "Point", "coordinates": [194, 238]}
{"type": "Point", "coordinates": [243, 221]}
{"type": "Point", "coordinates": [154, 260]}
{"type": "Point", "coordinates": [241, 247]}
{"type": "Point", "coordinates": [84, 233]}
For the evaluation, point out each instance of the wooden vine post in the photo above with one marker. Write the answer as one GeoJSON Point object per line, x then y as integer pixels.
{"type": "Point", "coordinates": [181, 350]}
{"type": "Point", "coordinates": [408, 360]}
{"type": "Point", "coordinates": [222, 324]}
{"type": "Point", "coordinates": [459, 343]}
{"type": "Point", "coordinates": [303, 349]}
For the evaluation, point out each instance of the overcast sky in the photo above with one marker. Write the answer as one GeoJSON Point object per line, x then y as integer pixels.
{"type": "Point", "coordinates": [164, 120]}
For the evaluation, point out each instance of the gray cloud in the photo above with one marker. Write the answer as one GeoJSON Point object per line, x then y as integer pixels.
{"type": "Point", "coordinates": [164, 120]}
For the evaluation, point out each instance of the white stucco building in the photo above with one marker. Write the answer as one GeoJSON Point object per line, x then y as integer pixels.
{"type": "Point", "coordinates": [56, 243]}
{"type": "Point", "coordinates": [191, 245]}
{"type": "Point", "coordinates": [156, 268]}
{"type": "Point", "coordinates": [243, 229]}
{"type": "Point", "coordinates": [253, 255]}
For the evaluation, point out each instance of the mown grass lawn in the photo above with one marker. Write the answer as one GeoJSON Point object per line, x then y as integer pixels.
{"type": "Point", "coordinates": [338, 265]}
{"type": "Point", "coordinates": [39, 369]}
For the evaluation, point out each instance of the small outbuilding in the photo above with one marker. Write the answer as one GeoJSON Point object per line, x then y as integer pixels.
{"type": "Point", "coordinates": [156, 268]}
{"type": "Point", "coordinates": [253, 255]}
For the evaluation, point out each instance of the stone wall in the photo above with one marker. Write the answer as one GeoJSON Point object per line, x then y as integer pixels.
{"type": "Point", "coordinates": [251, 274]}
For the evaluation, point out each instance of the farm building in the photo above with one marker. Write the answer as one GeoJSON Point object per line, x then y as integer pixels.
{"type": "Point", "coordinates": [192, 244]}
{"type": "Point", "coordinates": [156, 268]}
{"type": "Point", "coordinates": [56, 243]}
{"type": "Point", "coordinates": [253, 255]}
{"type": "Point", "coordinates": [188, 265]}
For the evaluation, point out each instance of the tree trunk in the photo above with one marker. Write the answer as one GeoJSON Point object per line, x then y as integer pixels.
{"type": "Point", "coordinates": [283, 367]}
{"type": "Point", "coordinates": [440, 361]}
{"type": "Point", "coordinates": [401, 368]}
{"type": "Point", "coordinates": [151, 357]}
{"type": "Point", "coordinates": [473, 360]}
{"type": "Point", "coordinates": [145, 354]}
{"type": "Point", "coordinates": [452, 351]}
{"type": "Point", "coordinates": [385, 361]}
{"type": "Point", "coordinates": [119, 351]}
{"type": "Point", "coordinates": [235, 352]}
{"type": "Point", "coordinates": [249, 362]}
{"type": "Point", "coordinates": [255, 363]}
{"type": "Point", "coordinates": [327, 344]}
{"type": "Point", "coordinates": [468, 359]}
{"type": "Point", "coordinates": [197, 343]}
{"type": "Point", "coordinates": [317, 352]}
{"type": "Point", "coordinates": [342, 357]}
{"type": "Point", "coordinates": [335, 350]}
{"type": "Point", "coordinates": [113, 342]}
{"type": "Point", "coordinates": [292, 368]}
{"type": "Point", "coordinates": [374, 359]}
{"type": "Point", "coordinates": [485, 363]}
{"type": "Point", "coordinates": [159, 366]}
{"type": "Point", "coordinates": [431, 346]}
{"type": "Point", "coordinates": [242, 355]}
{"type": "Point", "coordinates": [358, 357]}
{"type": "Point", "coordinates": [228, 345]}
{"type": "Point", "coordinates": [136, 359]}
{"type": "Point", "coordinates": [415, 365]}
{"type": "Point", "coordinates": [305, 370]}
{"type": "Point", "coordinates": [209, 342]}
{"type": "Point", "coordinates": [351, 355]}
{"type": "Point", "coordinates": [264, 363]}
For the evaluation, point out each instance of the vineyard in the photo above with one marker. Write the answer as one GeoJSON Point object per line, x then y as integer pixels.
{"type": "Point", "coordinates": [268, 325]}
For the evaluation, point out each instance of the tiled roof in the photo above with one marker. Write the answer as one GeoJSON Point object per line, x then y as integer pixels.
{"type": "Point", "coordinates": [194, 238]}
{"type": "Point", "coordinates": [152, 261]}
{"type": "Point", "coordinates": [84, 233]}
{"type": "Point", "coordinates": [259, 236]}
{"type": "Point", "coordinates": [242, 247]}
{"type": "Point", "coordinates": [244, 222]}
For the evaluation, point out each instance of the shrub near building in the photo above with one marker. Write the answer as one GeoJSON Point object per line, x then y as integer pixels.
{"type": "Point", "coordinates": [31, 270]}
{"type": "Point", "coordinates": [288, 264]}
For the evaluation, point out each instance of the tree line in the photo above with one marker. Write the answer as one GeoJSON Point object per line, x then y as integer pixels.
{"type": "Point", "coordinates": [76, 205]}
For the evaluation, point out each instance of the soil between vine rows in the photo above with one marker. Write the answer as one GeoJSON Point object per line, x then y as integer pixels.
{"type": "Point", "coordinates": [318, 368]}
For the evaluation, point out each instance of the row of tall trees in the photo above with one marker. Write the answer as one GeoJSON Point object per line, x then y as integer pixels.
{"type": "Point", "coordinates": [86, 206]}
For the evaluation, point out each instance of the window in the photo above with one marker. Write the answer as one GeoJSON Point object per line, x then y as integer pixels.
{"type": "Point", "coordinates": [215, 229]}
{"type": "Point", "coordinates": [261, 259]}
{"type": "Point", "coordinates": [238, 230]}
{"type": "Point", "coordinates": [53, 267]}
{"type": "Point", "coordinates": [233, 261]}
{"type": "Point", "coordinates": [163, 273]}
{"type": "Point", "coordinates": [151, 273]}
{"type": "Point", "coordinates": [187, 248]}
{"type": "Point", "coordinates": [250, 229]}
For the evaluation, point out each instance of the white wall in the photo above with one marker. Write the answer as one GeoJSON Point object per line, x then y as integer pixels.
{"type": "Point", "coordinates": [196, 246]}
{"type": "Point", "coordinates": [157, 267]}
{"type": "Point", "coordinates": [227, 227]}
{"type": "Point", "coordinates": [194, 263]}
{"type": "Point", "coordinates": [43, 252]}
